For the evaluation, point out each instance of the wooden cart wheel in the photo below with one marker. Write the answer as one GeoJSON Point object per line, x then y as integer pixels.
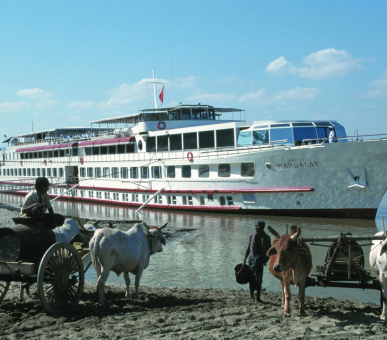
{"type": "Point", "coordinates": [60, 278]}
{"type": "Point", "coordinates": [4, 285]}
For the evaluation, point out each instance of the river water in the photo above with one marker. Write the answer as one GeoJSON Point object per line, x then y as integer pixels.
{"type": "Point", "coordinates": [206, 255]}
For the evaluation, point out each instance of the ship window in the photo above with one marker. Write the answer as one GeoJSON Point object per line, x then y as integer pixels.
{"type": "Point", "coordinates": [133, 172]}
{"type": "Point", "coordinates": [90, 172]}
{"type": "Point", "coordinates": [40, 154]}
{"type": "Point", "coordinates": [175, 142]}
{"type": "Point", "coordinates": [186, 171]}
{"type": "Point", "coordinates": [144, 172]}
{"type": "Point", "coordinates": [60, 172]}
{"type": "Point", "coordinates": [156, 171]}
{"type": "Point", "coordinates": [162, 143]}
{"type": "Point", "coordinates": [130, 147]}
{"type": "Point", "coordinates": [88, 151]}
{"type": "Point", "coordinates": [206, 139]}
{"type": "Point", "coordinates": [37, 172]}
{"type": "Point", "coordinates": [301, 133]}
{"type": "Point", "coordinates": [121, 148]}
{"type": "Point", "coordinates": [50, 154]}
{"type": "Point", "coordinates": [185, 113]}
{"type": "Point", "coordinates": [61, 153]}
{"type": "Point", "coordinates": [24, 172]}
{"type": "Point", "coordinates": [190, 141]}
{"type": "Point", "coordinates": [224, 138]}
{"type": "Point", "coordinates": [244, 138]}
{"type": "Point", "coordinates": [104, 150]}
{"type": "Point", "coordinates": [202, 200]}
{"type": "Point", "coordinates": [222, 200]}
{"type": "Point", "coordinates": [97, 172]}
{"type": "Point", "coordinates": [247, 169]}
{"type": "Point", "coordinates": [91, 194]}
{"type": "Point", "coordinates": [56, 154]}
{"type": "Point", "coordinates": [19, 172]}
{"type": "Point", "coordinates": [99, 194]}
{"type": "Point", "coordinates": [151, 144]}
{"type": "Point", "coordinates": [54, 172]}
{"type": "Point", "coordinates": [112, 150]}
{"type": "Point", "coordinates": [199, 113]}
{"type": "Point", "coordinates": [171, 172]}
{"type": "Point", "coordinates": [204, 171]}
{"type": "Point", "coordinates": [125, 197]}
{"type": "Point", "coordinates": [281, 135]}
{"type": "Point", "coordinates": [184, 200]}
{"type": "Point", "coordinates": [124, 172]}
{"type": "Point", "coordinates": [96, 150]}
{"type": "Point", "coordinates": [260, 136]}
{"type": "Point", "coordinates": [190, 200]}
{"type": "Point", "coordinates": [82, 172]}
{"type": "Point", "coordinates": [106, 172]}
{"type": "Point", "coordinates": [107, 195]}
{"type": "Point", "coordinates": [224, 170]}
{"type": "Point", "coordinates": [115, 172]}
{"type": "Point", "coordinates": [230, 200]}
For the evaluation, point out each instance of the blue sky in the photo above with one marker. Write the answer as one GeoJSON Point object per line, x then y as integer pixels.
{"type": "Point", "coordinates": [66, 63]}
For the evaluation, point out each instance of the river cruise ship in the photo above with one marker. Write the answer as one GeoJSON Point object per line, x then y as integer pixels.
{"type": "Point", "coordinates": [204, 158]}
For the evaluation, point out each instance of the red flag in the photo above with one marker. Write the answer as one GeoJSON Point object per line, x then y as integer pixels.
{"type": "Point", "coordinates": [161, 96]}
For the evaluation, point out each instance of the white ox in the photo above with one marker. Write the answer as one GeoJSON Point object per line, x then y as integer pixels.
{"type": "Point", "coordinates": [378, 263]}
{"type": "Point", "coordinates": [124, 252]}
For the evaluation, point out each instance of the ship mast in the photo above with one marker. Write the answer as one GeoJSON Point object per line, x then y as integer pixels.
{"type": "Point", "coordinates": [154, 87]}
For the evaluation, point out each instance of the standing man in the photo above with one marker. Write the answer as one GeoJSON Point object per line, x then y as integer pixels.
{"type": "Point", "coordinates": [259, 244]}
{"type": "Point", "coordinates": [37, 202]}
{"type": "Point", "coordinates": [331, 135]}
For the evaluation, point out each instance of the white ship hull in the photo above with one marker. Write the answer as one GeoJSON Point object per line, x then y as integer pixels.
{"type": "Point", "coordinates": [347, 179]}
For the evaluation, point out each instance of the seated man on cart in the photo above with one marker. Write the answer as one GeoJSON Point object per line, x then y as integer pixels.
{"type": "Point", "coordinates": [37, 202]}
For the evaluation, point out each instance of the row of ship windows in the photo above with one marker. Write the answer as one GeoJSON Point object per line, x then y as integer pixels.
{"type": "Point", "coordinates": [223, 170]}
{"type": "Point", "coordinates": [39, 172]}
{"type": "Point", "coordinates": [142, 198]}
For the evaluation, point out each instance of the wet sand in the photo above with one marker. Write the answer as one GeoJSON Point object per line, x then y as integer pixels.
{"type": "Point", "coordinates": [180, 313]}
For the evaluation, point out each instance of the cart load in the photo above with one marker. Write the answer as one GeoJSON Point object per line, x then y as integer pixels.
{"type": "Point", "coordinates": [24, 242]}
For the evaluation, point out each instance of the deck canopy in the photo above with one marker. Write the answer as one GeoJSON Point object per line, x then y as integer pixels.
{"type": "Point", "coordinates": [109, 141]}
{"type": "Point", "coordinates": [181, 112]}
{"type": "Point", "coordinates": [48, 147]}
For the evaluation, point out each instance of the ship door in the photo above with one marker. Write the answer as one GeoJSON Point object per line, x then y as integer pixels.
{"type": "Point", "coordinates": [71, 173]}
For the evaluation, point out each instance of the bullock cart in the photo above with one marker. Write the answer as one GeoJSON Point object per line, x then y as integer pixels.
{"type": "Point", "coordinates": [30, 254]}
{"type": "Point", "coordinates": [344, 263]}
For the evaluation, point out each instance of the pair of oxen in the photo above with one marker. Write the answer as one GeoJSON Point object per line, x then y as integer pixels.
{"type": "Point", "coordinates": [290, 259]}
{"type": "Point", "coordinates": [291, 263]}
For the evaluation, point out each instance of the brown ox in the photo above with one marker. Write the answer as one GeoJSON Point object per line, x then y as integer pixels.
{"type": "Point", "coordinates": [291, 263]}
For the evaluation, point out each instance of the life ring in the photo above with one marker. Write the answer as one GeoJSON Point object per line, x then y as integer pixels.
{"type": "Point", "coordinates": [161, 125]}
{"type": "Point", "coordinates": [81, 160]}
{"type": "Point", "coordinates": [190, 156]}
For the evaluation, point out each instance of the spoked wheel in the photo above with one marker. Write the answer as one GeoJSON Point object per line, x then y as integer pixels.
{"type": "Point", "coordinates": [60, 278]}
{"type": "Point", "coordinates": [4, 285]}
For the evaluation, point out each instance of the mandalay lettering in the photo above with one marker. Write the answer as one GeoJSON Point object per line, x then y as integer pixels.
{"type": "Point", "coordinates": [297, 164]}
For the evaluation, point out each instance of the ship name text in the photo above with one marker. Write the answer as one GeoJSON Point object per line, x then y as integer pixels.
{"type": "Point", "coordinates": [297, 164]}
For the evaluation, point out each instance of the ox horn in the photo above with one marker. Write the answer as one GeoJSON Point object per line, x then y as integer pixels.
{"type": "Point", "coordinates": [146, 226]}
{"type": "Point", "coordinates": [273, 231]}
{"type": "Point", "coordinates": [164, 225]}
{"type": "Point", "coordinates": [297, 234]}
